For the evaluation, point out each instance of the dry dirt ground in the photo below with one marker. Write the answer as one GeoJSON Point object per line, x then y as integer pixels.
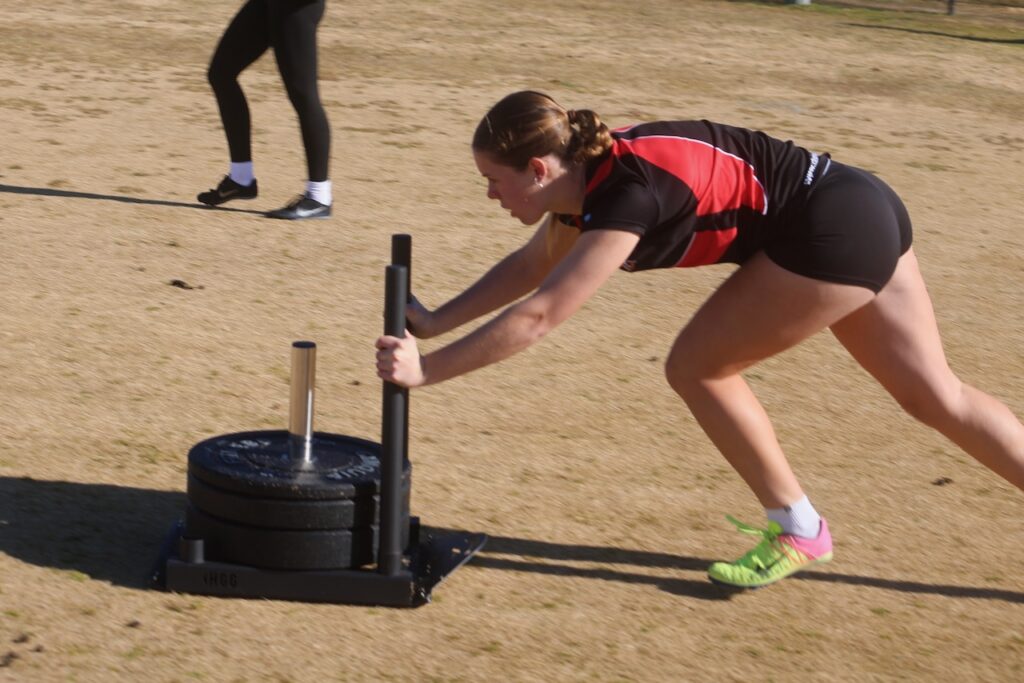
{"type": "Point", "coordinates": [603, 500]}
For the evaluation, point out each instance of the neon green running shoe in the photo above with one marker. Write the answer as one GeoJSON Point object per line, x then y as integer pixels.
{"type": "Point", "coordinates": [777, 556]}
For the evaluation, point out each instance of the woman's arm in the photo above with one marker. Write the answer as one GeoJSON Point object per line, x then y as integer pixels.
{"type": "Point", "coordinates": [595, 256]}
{"type": "Point", "coordinates": [515, 275]}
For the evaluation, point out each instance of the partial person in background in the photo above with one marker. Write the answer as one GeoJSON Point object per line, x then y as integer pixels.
{"type": "Point", "coordinates": [819, 245]}
{"type": "Point", "coordinates": [289, 27]}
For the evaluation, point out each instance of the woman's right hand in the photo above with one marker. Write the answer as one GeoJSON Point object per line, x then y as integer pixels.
{"type": "Point", "coordinates": [419, 320]}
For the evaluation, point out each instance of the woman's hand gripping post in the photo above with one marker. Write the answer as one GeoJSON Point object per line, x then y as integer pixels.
{"type": "Point", "coordinates": [399, 361]}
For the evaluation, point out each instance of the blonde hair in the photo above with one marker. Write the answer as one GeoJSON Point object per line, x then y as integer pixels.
{"type": "Point", "coordinates": [530, 124]}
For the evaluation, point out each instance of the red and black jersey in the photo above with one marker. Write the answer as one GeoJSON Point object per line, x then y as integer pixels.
{"type": "Point", "coordinates": [696, 192]}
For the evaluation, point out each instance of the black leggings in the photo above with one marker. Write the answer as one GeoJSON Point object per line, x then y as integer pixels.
{"type": "Point", "coordinates": [288, 26]}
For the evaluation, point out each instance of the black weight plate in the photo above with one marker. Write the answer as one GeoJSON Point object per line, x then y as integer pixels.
{"type": "Point", "coordinates": [279, 513]}
{"type": "Point", "coordinates": [284, 549]}
{"type": "Point", "coordinates": [260, 464]}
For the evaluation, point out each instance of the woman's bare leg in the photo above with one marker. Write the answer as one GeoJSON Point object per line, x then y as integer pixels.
{"type": "Point", "coordinates": [896, 339]}
{"type": "Point", "coordinates": [761, 310]}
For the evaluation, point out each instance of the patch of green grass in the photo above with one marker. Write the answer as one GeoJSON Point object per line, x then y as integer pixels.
{"type": "Point", "coordinates": [181, 608]}
{"type": "Point", "coordinates": [75, 575]}
{"type": "Point", "coordinates": [929, 166]}
{"type": "Point", "coordinates": [913, 19]}
{"type": "Point", "coordinates": [782, 647]}
{"type": "Point", "coordinates": [567, 85]}
{"type": "Point", "coordinates": [134, 653]}
{"type": "Point", "coordinates": [402, 144]}
{"type": "Point", "coordinates": [144, 452]}
{"type": "Point", "coordinates": [279, 372]}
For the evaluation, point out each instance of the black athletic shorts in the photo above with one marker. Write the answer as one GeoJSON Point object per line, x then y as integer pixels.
{"type": "Point", "coordinates": [851, 229]}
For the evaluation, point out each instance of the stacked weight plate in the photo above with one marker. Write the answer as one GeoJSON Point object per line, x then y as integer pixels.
{"type": "Point", "coordinates": [254, 503]}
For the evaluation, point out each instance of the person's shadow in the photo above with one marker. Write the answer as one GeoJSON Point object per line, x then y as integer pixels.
{"type": "Point", "coordinates": [115, 533]}
{"type": "Point", "coordinates": [522, 550]}
{"type": "Point", "coordinates": [73, 194]}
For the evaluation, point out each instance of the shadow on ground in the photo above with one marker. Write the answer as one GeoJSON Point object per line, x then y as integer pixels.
{"type": "Point", "coordinates": [114, 534]}
{"type": "Point", "coordinates": [698, 589]}
{"type": "Point", "coordinates": [72, 194]}
{"type": "Point", "coordinates": [978, 39]}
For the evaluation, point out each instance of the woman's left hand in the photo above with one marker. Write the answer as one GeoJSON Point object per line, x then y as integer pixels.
{"type": "Point", "coordinates": [398, 360]}
{"type": "Point", "coordinates": [419, 319]}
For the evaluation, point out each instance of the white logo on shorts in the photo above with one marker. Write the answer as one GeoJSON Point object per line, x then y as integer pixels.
{"type": "Point", "coordinates": [810, 169]}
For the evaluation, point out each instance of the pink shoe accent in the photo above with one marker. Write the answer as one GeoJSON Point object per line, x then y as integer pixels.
{"type": "Point", "coordinates": [812, 547]}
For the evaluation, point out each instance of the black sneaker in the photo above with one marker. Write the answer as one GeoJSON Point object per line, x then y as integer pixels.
{"type": "Point", "coordinates": [300, 208]}
{"type": "Point", "coordinates": [226, 191]}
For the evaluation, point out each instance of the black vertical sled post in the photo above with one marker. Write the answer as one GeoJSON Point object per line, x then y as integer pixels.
{"type": "Point", "coordinates": [393, 430]}
{"type": "Point", "coordinates": [401, 255]}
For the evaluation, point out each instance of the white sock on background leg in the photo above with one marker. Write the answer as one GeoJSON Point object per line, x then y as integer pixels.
{"type": "Point", "coordinates": [319, 191]}
{"type": "Point", "coordinates": [241, 172]}
{"type": "Point", "coordinates": [798, 519]}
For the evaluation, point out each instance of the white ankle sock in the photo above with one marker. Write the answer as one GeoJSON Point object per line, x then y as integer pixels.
{"type": "Point", "coordinates": [799, 518]}
{"type": "Point", "coordinates": [319, 191]}
{"type": "Point", "coordinates": [241, 172]}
